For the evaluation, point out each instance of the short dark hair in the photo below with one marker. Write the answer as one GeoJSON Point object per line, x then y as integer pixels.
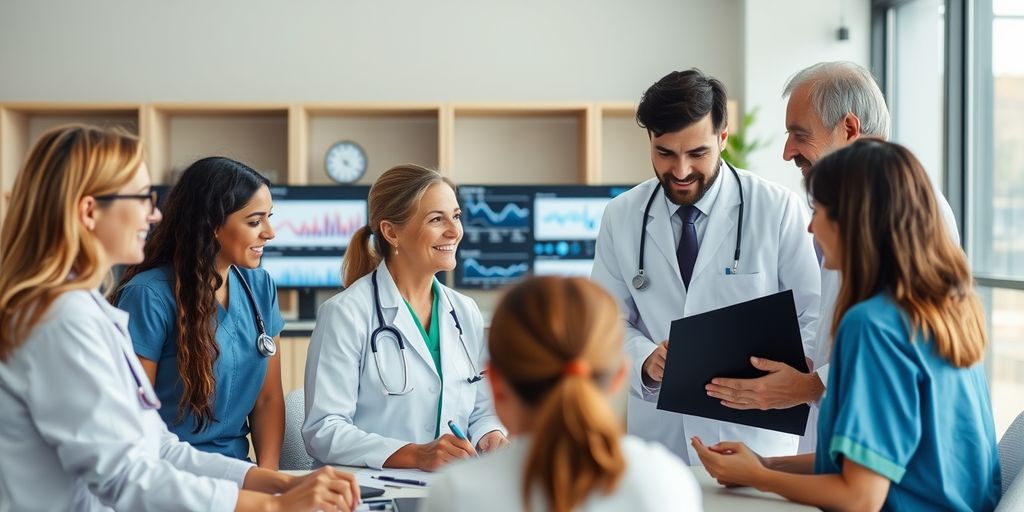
{"type": "Point", "coordinates": [680, 99]}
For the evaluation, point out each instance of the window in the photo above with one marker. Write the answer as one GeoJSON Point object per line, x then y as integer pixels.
{"type": "Point", "coordinates": [954, 79]}
{"type": "Point", "coordinates": [996, 197]}
{"type": "Point", "coordinates": [915, 92]}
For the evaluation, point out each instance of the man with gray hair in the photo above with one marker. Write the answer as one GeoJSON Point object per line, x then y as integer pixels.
{"type": "Point", "coordinates": [831, 104]}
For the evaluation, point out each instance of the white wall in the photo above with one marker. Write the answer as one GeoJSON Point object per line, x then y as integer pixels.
{"type": "Point", "coordinates": [411, 50]}
{"type": "Point", "coordinates": [358, 50]}
{"type": "Point", "coordinates": [783, 37]}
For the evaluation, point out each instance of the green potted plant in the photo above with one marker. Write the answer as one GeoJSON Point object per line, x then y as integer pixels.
{"type": "Point", "coordinates": [739, 147]}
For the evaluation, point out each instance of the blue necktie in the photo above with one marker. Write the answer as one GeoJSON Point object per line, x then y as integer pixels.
{"type": "Point", "coordinates": [686, 253]}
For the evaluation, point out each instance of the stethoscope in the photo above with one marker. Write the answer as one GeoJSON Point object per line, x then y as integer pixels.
{"type": "Point", "coordinates": [384, 328]}
{"type": "Point", "coordinates": [264, 343]}
{"type": "Point", "coordinates": [147, 397]}
{"type": "Point", "coordinates": [640, 280]}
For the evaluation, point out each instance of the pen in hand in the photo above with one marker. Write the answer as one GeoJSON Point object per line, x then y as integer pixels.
{"type": "Point", "coordinates": [456, 431]}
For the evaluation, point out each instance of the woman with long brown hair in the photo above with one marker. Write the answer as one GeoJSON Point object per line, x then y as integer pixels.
{"type": "Point", "coordinates": [396, 356]}
{"type": "Point", "coordinates": [556, 357]}
{"type": "Point", "coordinates": [78, 423]}
{"type": "Point", "coordinates": [203, 312]}
{"type": "Point", "coordinates": [906, 423]}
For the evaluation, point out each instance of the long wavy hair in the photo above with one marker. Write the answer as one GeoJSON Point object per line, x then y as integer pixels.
{"type": "Point", "coordinates": [393, 197]}
{"type": "Point", "coordinates": [208, 192]}
{"type": "Point", "coordinates": [893, 240]}
{"type": "Point", "coordinates": [539, 328]}
{"type": "Point", "coordinates": [44, 248]}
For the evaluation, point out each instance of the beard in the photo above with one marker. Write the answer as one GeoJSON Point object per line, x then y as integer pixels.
{"type": "Point", "coordinates": [689, 198]}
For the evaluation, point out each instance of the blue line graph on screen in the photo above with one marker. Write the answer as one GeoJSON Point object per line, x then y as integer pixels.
{"type": "Point", "coordinates": [307, 271]}
{"type": "Point", "coordinates": [481, 213]}
{"type": "Point", "coordinates": [562, 218]}
{"type": "Point", "coordinates": [473, 269]}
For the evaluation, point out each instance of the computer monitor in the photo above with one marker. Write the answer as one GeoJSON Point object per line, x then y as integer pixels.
{"type": "Point", "coordinates": [566, 222]}
{"type": "Point", "coordinates": [313, 225]}
{"type": "Point", "coordinates": [515, 231]}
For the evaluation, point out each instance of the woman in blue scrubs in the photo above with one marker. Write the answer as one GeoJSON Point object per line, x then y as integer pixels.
{"type": "Point", "coordinates": [194, 325]}
{"type": "Point", "coordinates": [906, 423]}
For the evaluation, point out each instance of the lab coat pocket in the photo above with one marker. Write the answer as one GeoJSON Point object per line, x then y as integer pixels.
{"type": "Point", "coordinates": [736, 288]}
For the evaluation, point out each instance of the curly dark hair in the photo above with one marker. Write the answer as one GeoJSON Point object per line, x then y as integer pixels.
{"type": "Point", "coordinates": [208, 192]}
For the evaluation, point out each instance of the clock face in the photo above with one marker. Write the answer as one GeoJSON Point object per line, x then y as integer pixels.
{"type": "Point", "coordinates": [345, 162]}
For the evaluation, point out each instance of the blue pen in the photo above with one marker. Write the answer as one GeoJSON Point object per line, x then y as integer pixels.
{"type": "Point", "coordinates": [455, 430]}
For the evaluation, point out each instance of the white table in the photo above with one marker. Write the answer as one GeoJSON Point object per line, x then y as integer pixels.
{"type": "Point", "coordinates": [716, 497]}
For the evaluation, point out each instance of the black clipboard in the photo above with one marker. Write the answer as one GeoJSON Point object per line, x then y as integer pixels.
{"type": "Point", "coordinates": [720, 343]}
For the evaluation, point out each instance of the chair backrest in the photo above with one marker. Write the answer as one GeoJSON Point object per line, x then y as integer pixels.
{"type": "Point", "coordinates": [1011, 451]}
{"type": "Point", "coordinates": [1013, 497]}
{"type": "Point", "coordinates": [293, 451]}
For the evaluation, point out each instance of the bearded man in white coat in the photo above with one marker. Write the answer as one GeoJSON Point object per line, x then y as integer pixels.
{"type": "Point", "coordinates": [687, 218]}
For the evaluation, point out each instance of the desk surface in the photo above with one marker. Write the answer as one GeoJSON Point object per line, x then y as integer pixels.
{"type": "Point", "coordinates": [716, 497]}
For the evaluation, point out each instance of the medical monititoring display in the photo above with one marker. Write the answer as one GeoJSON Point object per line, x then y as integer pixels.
{"type": "Point", "coordinates": [313, 226]}
{"type": "Point", "coordinates": [515, 231]}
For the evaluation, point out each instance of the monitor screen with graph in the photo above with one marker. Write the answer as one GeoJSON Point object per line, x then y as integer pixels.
{"type": "Point", "coordinates": [313, 226]}
{"type": "Point", "coordinates": [515, 231]}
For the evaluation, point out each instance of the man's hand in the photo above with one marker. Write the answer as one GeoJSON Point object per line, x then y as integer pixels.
{"type": "Point", "coordinates": [654, 366]}
{"type": "Point", "coordinates": [782, 388]}
{"type": "Point", "coordinates": [491, 441]}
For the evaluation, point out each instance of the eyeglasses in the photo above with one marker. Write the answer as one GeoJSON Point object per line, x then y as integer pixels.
{"type": "Point", "coordinates": [151, 197]}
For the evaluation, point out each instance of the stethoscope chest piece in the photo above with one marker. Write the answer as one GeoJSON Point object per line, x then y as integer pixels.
{"type": "Point", "coordinates": [266, 345]}
{"type": "Point", "coordinates": [640, 280]}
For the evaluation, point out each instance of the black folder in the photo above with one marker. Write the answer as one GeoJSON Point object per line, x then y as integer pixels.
{"type": "Point", "coordinates": [720, 343]}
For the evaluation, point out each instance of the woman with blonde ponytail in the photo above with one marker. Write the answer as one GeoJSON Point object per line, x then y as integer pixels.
{"type": "Point", "coordinates": [556, 357]}
{"type": "Point", "coordinates": [397, 355]}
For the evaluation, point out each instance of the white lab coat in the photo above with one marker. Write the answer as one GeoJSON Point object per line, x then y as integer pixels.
{"type": "Point", "coordinates": [654, 480]}
{"type": "Point", "coordinates": [349, 418]}
{"type": "Point", "coordinates": [73, 432]}
{"type": "Point", "coordinates": [831, 280]}
{"type": "Point", "coordinates": [776, 254]}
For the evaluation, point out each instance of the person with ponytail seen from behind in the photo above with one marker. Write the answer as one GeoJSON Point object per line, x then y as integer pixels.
{"type": "Point", "coordinates": [556, 359]}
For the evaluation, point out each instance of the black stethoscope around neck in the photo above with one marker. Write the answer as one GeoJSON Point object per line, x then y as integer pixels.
{"type": "Point", "coordinates": [640, 280]}
{"type": "Point", "coordinates": [384, 329]}
{"type": "Point", "coordinates": [264, 343]}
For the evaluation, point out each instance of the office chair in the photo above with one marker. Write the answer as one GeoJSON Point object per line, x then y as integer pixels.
{"type": "Point", "coordinates": [293, 451]}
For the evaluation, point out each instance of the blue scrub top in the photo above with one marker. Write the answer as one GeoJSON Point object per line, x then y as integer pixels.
{"type": "Point", "coordinates": [902, 411]}
{"type": "Point", "coordinates": [240, 370]}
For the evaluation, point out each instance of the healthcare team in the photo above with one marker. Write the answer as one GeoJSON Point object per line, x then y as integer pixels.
{"type": "Point", "coordinates": [397, 355]}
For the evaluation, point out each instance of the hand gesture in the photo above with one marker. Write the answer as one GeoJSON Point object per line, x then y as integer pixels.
{"type": "Point", "coordinates": [654, 365]}
{"type": "Point", "coordinates": [491, 441]}
{"type": "Point", "coordinates": [323, 489]}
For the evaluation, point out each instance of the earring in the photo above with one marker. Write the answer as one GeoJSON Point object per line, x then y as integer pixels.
{"type": "Point", "coordinates": [396, 249]}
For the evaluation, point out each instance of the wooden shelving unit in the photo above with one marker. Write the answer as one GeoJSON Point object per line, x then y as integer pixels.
{"type": "Point", "coordinates": [481, 143]}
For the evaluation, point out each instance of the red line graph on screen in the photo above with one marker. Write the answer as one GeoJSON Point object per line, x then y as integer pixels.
{"type": "Point", "coordinates": [317, 223]}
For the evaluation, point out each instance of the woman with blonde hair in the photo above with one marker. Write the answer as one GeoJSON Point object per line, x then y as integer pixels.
{"type": "Point", "coordinates": [906, 423]}
{"type": "Point", "coordinates": [395, 358]}
{"type": "Point", "coordinates": [78, 423]}
{"type": "Point", "coordinates": [556, 357]}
